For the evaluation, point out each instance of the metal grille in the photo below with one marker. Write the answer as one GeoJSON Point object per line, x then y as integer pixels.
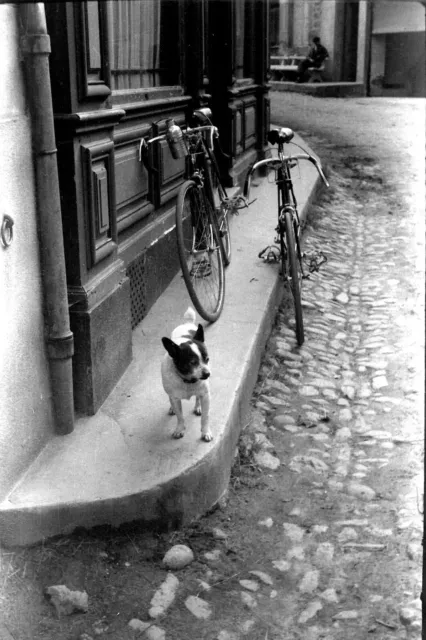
{"type": "Point", "coordinates": [136, 272]}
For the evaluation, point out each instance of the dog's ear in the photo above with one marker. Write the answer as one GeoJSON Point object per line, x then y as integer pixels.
{"type": "Point", "coordinates": [199, 334]}
{"type": "Point", "coordinates": [171, 348]}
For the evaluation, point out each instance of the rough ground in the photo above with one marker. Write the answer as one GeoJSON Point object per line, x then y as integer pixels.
{"type": "Point", "coordinates": [320, 535]}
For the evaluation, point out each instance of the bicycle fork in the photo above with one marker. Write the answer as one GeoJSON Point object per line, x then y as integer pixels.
{"type": "Point", "coordinates": [296, 230]}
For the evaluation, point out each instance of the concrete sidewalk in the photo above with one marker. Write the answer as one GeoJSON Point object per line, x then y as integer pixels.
{"type": "Point", "coordinates": [122, 464]}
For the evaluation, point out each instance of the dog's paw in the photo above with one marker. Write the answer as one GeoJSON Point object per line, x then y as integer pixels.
{"type": "Point", "coordinates": [207, 437]}
{"type": "Point", "coordinates": [179, 433]}
{"type": "Point", "coordinates": [171, 412]}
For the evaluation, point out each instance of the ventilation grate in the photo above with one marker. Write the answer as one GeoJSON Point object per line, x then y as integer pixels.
{"type": "Point", "coordinates": [136, 272]}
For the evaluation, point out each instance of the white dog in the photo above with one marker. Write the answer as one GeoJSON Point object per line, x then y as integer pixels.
{"type": "Point", "coordinates": [185, 372]}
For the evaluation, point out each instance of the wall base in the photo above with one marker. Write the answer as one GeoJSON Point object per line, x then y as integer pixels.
{"type": "Point", "coordinates": [103, 347]}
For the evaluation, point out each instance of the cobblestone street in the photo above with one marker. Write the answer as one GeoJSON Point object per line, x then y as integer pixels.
{"type": "Point", "coordinates": [319, 537]}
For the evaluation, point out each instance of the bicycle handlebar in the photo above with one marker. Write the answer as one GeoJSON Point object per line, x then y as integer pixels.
{"type": "Point", "coordinates": [276, 163]}
{"type": "Point", "coordinates": [186, 131]}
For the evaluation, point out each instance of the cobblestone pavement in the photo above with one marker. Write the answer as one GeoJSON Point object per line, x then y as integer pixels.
{"type": "Point", "coordinates": [320, 535]}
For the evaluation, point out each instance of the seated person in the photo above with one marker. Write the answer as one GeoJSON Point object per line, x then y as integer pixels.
{"type": "Point", "coordinates": [316, 56]}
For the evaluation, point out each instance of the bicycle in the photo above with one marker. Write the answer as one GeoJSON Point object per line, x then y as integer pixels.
{"type": "Point", "coordinates": [202, 212]}
{"type": "Point", "coordinates": [287, 247]}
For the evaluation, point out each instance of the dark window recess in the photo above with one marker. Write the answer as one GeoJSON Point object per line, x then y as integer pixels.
{"type": "Point", "coordinates": [144, 43]}
{"type": "Point", "coordinates": [244, 39]}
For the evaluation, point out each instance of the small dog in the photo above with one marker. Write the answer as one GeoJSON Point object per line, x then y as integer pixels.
{"type": "Point", "coordinates": [185, 372]}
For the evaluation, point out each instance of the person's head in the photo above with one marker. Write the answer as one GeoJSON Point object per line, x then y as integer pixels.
{"type": "Point", "coordinates": [316, 40]}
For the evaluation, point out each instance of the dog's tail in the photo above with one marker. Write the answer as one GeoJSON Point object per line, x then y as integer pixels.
{"type": "Point", "coordinates": [190, 315]}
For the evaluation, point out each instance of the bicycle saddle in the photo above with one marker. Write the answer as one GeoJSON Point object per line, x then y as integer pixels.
{"type": "Point", "coordinates": [203, 115]}
{"type": "Point", "coordinates": [280, 135]}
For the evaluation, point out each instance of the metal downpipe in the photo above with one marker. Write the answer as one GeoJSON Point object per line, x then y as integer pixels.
{"type": "Point", "coordinates": [35, 45]}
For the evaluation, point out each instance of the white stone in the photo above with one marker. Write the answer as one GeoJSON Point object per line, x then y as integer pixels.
{"type": "Point", "coordinates": [324, 554]}
{"type": "Point", "coordinates": [329, 595]}
{"type": "Point", "coordinates": [309, 581]}
{"type": "Point", "coordinates": [349, 391]}
{"type": "Point", "coordinates": [155, 633]}
{"type": "Point", "coordinates": [308, 391]}
{"type": "Point", "coordinates": [310, 611]}
{"type": "Point", "coordinates": [319, 528]}
{"type": "Point", "coordinates": [219, 534]}
{"type": "Point", "coordinates": [178, 557]}
{"type": "Point", "coordinates": [379, 382]}
{"type": "Point", "coordinates": [298, 553]}
{"type": "Point", "coordinates": [226, 635]}
{"type": "Point", "coordinates": [138, 625]}
{"type": "Point", "coordinates": [263, 577]}
{"type": "Point", "coordinates": [213, 555]}
{"type": "Point", "coordinates": [164, 596]}
{"type": "Point", "coordinates": [251, 585]}
{"type": "Point", "coordinates": [247, 626]}
{"type": "Point", "coordinates": [204, 585]}
{"type": "Point", "coordinates": [268, 522]}
{"type": "Point", "coordinates": [347, 534]}
{"type": "Point", "coordinates": [281, 565]}
{"type": "Point", "coordinates": [265, 459]}
{"type": "Point", "coordinates": [248, 600]}
{"type": "Point", "coordinates": [67, 601]}
{"type": "Point", "coordinates": [345, 415]}
{"type": "Point", "coordinates": [380, 533]}
{"type": "Point", "coordinates": [343, 298]}
{"type": "Point", "coordinates": [407, 615]}
{"type": "Point", "coordinates": [198, 607]}
{"type": "Point", "coordinates": [343, 434]}
{"type": "Point", "coordinates": [346, 615]}
{"type": "Point", "coordinates": [293, 531]}
{"type": "Point", "coordinates": [375, 598]}
{"type": "Point", "coordinates": [361, 491]}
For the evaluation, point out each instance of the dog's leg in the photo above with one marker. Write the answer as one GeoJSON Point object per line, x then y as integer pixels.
{"type": "Point", "coordinates": [176, 406]}
{"type": "Point", "coordinates": [197, 408]}
{"type": "Point", "coordinates": [204, 401]}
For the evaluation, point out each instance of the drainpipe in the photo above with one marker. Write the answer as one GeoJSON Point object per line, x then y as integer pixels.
{"type": "Point", "coordinates": [35, 46]}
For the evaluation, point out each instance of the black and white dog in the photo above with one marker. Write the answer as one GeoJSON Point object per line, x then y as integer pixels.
{"type": "Point", "coordinates": [185, 372]}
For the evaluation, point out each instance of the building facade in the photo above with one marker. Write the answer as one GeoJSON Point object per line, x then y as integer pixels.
{"type": "Point", "coordinates": [379, 43]}
{"type": "Point", "coordinates": [93, 234]}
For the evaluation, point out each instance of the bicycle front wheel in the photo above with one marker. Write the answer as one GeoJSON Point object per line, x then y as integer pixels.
{"type": "Point", "coordinates": [291, 269]}
{"type": "Point", "coordinates": [225, 232]}
{"type": "Point", "coordinates": [200, 251]}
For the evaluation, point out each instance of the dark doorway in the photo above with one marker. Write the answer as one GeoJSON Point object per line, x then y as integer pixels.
{"type": "Point", "coordinates": [350, 41]}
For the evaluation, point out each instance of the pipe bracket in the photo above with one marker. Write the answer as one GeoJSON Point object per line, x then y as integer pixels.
{"type": "Point", "coordinates": [37, 43]}
{"type": "Point", "coordinates": [61, 348]}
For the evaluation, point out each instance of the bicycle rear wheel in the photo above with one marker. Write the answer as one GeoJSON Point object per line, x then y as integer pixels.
{"type": "Point", "coordinates": [291, 269]}
{"type": "Point", "coordinates": [200, 251]}
{"type": "Point", "coordinates": [222, 210]}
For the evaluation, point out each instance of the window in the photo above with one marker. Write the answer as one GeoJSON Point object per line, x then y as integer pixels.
{"type": "Point", "coordinates": [244, 50]}
{"type": "Point", "coordinates": [144, 43]}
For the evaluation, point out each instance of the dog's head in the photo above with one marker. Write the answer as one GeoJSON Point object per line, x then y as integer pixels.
{"type": "Point", "coordinates": [190, 357]}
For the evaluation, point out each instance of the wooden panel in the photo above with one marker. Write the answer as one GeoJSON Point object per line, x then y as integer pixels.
{"type": "Point", "coordinates": [250, 126]}
{"type": "Point", "coordinates": [99, 203]}
{"type": "Point", "coordinates": [238, 131]}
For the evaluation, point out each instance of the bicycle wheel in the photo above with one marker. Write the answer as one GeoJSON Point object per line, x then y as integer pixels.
{"type": "Point", "coordinates": [200, 251]}
{"type": "Point", "coordinates": [291, 268]}
{"type": "Point", "coordinates": [221, 208]}
{"type": "Point", "coordinates": [225, 233]}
